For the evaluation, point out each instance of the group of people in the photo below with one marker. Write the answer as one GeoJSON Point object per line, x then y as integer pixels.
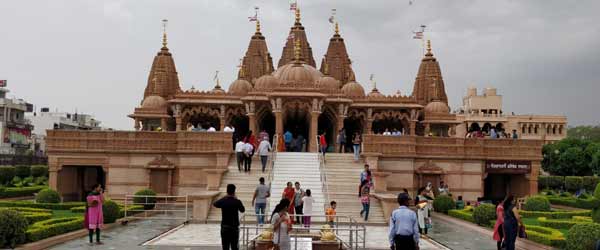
{"type": "Point", "coordinates": [508, 224]}
{"type": "Point", "coordinates": [493, 134]}
{"type": "Point", "coordinates": [247, 146]}
{"type": "Point", "coordinates": [393, 132]}
{"type": "Point", "coordinates": [355, 141]}
{"type": "Point", "coordinates": [294, 142]}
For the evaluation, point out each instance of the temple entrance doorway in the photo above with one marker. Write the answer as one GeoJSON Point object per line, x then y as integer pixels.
{"type": "Point", "coordinates": [77, 181]}
{"type": "Point", "coordinates": [297, 121]}
{"type": "Point", "coordinates": [266, 122]}
{"type": "Point", "coordinates": [434, 179]}
{"type": "Point", "coordinates": [241, 124]}
{"type": "Point", "coordinates": [351, 126]}
{"type": "Point", "coordinates": [327, 124]}
{"type": "Point", "coordinates": [160, 181]}
{"type": "Point", "coordinates": [496, 186]}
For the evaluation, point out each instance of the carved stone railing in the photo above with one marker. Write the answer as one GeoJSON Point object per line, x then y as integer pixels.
{"type": "Point", "coordinates": [471, 148]}
{"type": "Point", "coordinates": [137, 141]}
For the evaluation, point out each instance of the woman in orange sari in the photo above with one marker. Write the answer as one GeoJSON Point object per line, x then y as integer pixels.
{"type": "Point", "coordinates": [280, 143]}
{"type": "Point", "coordinates": [289, 193]}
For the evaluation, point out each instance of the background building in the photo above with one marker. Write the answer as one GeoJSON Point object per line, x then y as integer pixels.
{"type": "Point", "coordinates": [14, 128]}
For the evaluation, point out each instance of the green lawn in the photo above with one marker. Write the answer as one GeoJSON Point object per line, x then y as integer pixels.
{"type": "Point", "coordinates": [65, 213]}
{"type": "Point", "coordinates": [535, 222]}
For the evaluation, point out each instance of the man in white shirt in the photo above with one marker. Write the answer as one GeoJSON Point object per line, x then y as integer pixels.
{"type": "Point", "coordinates": [263, 151]}
{"type": "Point", "coordinates": [248, 153]}
{"type": "Point", "coordinates": [239, 153]}
{"type": "Point", "coordinates": [387, 132]}
{"type": "Point", "coordinates": [211, 129]}
{"type": "Point", "coordinates": [228, 129]}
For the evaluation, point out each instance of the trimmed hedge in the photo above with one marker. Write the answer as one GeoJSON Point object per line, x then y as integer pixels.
{"type": "Point", "coordinates": [596, 215]}
{"type": "Point", "coordinates": [7, 173]}
{"type": "Point", "coordinates": [48, 228]}
{"type": "Point", "coordinates": [583, 236]}
{"type": "Point", "coordinates": [555, 214]}
{"type": "Point", "coordinates": [551, 182]}
{"type": "Point", "coordinates": [537, 203]}
{"type": "Point", "coordinates": [546, 236]}
{"type": "Point", "coordinates": [146, 198]}
{"type": "Point", "coordinates": [11, 192]}
{"type": "Point", "coordinates": [573, 183]}
{"type": "Point", "coordinates": [12, 228]}
{"type": "Point", "coordinates": [443, 203]}
{"type": "Point", "coordinates": [461, 214]}
{"type": "Point", "coordinates": [484, 213]}
{"type": "Point", "coordinates": [588, 203]}
{"type": "Point", "coordinates": [22, 171]}
{"type": "Point", "coordinates": [53, 206]}
{"type": "Point", "coordinates": [39, 170]}
{"type": "Point", "coordinates": [131, 209]}
{"type": "Point", "coordinates": [559, 224]}
{"type": "Point", "coordinates": [47, 196]}
{"type": "Point", "coordinates": [590, 182]}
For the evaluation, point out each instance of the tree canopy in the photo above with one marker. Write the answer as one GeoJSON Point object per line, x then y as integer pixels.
{"type": "Point", "coordinates": [572, 157]}
{"type": "Point", "coordinates": [585, 132]}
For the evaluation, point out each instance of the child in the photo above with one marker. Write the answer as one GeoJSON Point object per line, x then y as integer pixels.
{"type": "Point", "coordinates": [331, 213]}
{"type": "Point", "coordinates": [364, 199]}
{"type": "Point", "coordinates": [460, 204]}
{"type": "Point", "coordinates": [307, 203]}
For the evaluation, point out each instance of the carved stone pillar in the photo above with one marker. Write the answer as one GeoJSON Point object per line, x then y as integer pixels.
{"type": "Point", "coordinates": [222, 123]}
{"type": "Point", "coordinates": [136, 124]}
{"type": "Point", "coordinates": [413, 127]}
{"type": "Point", "coordinates": [252, 122]}
{"type": "Point", "coordinates": [278, 123]}
{"type": "Point", "coordinates": [369, 126]}
{"type": "Point", "coordinates": [163, 124]}
{"type": "Point", "coordinates": [339, 126]}
{"type": "Point", "coordinates": [178, 121]}
{"type": "Point", "coordinates": [312, 141]}
{"type": "Point", "coordinates": [427, 129]}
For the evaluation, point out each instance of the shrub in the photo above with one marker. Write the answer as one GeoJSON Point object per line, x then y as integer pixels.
{"type": "Point", "coordinates": [573, 183]}
{"type": "Point", "coordinates": [52, 227]}
{"type": "Point", "coordinates": [42, 180]}
{"type": "Point", "coordinates": [546, 236]}
{"type": "Point", "coordinates": [596, 215]}
{"type": "Point", "coordinates": [565, 194]}
{"type": "Point", "coordinates": [551, 182]}
{"type": "Point", "coordinates": [597, 192]}
{"type": "Point", "coordinates": [110, 211]}
{"type": "Point", "coordinates": [53, 206]}
{"type": "Point", "coordinates": [590, 182]}
{"type": "Point", "coordinates": [443, 203]}
{"type": "Point", "coordinates": [7, 173]}
{"type": "Point", "coordinates": [559, 224]}
{"type": "Point", "coordinates": [47, 196]}
{"type": "Point", "coordinates": [31, 215]}
{"type": "Point", "coordinates": [484, 213]}
{"type": "Point", "coordinates": [39, 170]}
{"type": "Point", "coordinates": [12, 228]}
{"type": "Point", "coordinates": [583, 236]}
{"type": "Point", "coordinates": [555, 214]}
{"type": "Point", "coordinates": [461, 214]}
{"type": "Point", "coordinates": [146, 198]}
{"type": "Point", "coordinates": [588, 203]}
{"type": "Point", "coordinates": [22, 171]}
{"type": "Point", "coordinates": [537, 203]}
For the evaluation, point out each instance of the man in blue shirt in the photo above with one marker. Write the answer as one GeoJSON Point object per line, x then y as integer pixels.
{"type": "Point", "coordinates": [404, 227]}
{"type": "Point", "coordinates": [287, 138]}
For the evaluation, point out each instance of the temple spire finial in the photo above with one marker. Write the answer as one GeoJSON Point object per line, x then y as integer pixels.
{"type": "Point", "coordinates": [297, 50]}
{"type": "Point", "coordinates": [337, 28]}
{"type": "Point", "coordinates": [257, 26]}
{"type": "Point", "coordinates": [218, 84]}
{"type": "Point", "coordinates": [325, 67]}
{"type": "Point", "coordinates": [297, 15]}
{"type": "Point", "coordinates": [164, 40]}
{"type": "Point", "coordinates": [428, 47]}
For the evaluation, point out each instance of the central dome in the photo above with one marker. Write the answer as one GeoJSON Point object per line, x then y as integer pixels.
{"type": "Point", "coordinates": [240, 87]}
{"type": "Point", "coordinates": [298, 72]}
{"type": "Point", "coordinates": [437, 107]}
{"type": "Point", "coordinates": [154, 102]}
{"type": "Point", "coordinates": [353, 89]}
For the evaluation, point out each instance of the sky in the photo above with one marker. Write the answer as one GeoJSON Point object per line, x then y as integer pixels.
{"type": "Point", "coordinates": [94, 56]}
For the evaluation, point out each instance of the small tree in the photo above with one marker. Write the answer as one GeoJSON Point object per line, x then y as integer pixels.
{"type": "Point", "coordinates": [484, 213]}
{"type": "Point", "coordinates": [12, 228]}
{"type": "Point", "coordinates": [111, 211]}
{"type": "Point", "coordinates": [537, 203]}
{"type": "Point", "coordinates": [47, 196]}
{"type": "Point", "coordinates": [146, 197]}
{"type": "Point", "coordinates": [443, 203]}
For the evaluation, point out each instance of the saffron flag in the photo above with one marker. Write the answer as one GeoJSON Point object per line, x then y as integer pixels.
{"type": "Point", "coordinates": [252, 18]}
{"type": "Point", "coordinates": [293, 6]}
{"type": "Point", "coordinates": [418, 35]}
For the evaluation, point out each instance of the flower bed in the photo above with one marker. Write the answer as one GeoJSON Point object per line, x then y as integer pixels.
{"type": "Point", "coordinates": [11, 192]}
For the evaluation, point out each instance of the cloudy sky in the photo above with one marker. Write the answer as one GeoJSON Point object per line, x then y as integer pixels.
{"type": "Point", "coordinates": [94, 56]}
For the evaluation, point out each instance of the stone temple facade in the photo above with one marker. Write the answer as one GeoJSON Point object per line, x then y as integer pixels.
{"type": "Point", "coordinates": [298, 97]}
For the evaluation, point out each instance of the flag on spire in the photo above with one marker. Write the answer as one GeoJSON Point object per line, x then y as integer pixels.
{"type": "Point", "coordinates": [332, 17]}
{"type": "Point", "coordinates": [420, 33]}
{"type": "Point", "coordinates": [293, 6]}
{"type": "Point", "coordinates": [216, 78]}
{"type": "Point", "coordinates": [255, 17]}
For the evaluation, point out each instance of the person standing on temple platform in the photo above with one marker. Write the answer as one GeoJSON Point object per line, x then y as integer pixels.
{"type": "Point", "coordinates": [423, 209]}
{"type": "Point", "coordinates": [280, 143]}
{"type": "Point", "coordinates": [230, 223]}
{"type": "Point", "coordinates": [387, 132]}
{"type": "Point", "coordinates": [341, 140]}
{"type": "Point", "coordinates": [287, 139]}
{"type": "Point", "coordinates": [239, 153]}
{"type": "Point", "coordinates": [248, 153]}
{"type": "Point", "coordinates": [404, 226]}
{"type": "Point", "coordinates": [263, 151]}
{"type": "Point", "coordinates": [366, 175]}
{"type": "Point", "coordinates": [514, 134]}
{"type": "Point", "coordinates": [356, 141]}
{"type": "Point", "coordinates": [323, 143]}
{"type": "Point", "coordinates": [228, 128]}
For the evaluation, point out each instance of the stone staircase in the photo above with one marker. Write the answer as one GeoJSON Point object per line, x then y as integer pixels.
{"type": "Point", "coordinates": [343, 179]}
{"type": "Point", "coordinates": [245, 185]}
{"type": "Point", "coordinates": [303, 168]}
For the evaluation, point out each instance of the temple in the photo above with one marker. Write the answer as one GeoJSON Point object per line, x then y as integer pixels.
{"type": "Point", "coordinates": [298, 97]}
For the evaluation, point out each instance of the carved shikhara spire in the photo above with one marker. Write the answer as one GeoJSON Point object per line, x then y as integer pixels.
{"type": "Point", "coordinates": [257, 61]}
{"type": "Point", "coordinates": [297, 56]}
{"type": "Point", "coordinates": [336, 59]}
{"type": "Point", "coordinates": [297, 32]}
{"type": "Point", "coordinates": [163, 80]}
{"type": "Point", "coordinates": [429, 84]}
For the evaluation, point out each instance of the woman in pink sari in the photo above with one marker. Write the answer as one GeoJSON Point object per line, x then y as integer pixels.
{"type": "Point", "coordinates": [498, 228]}
{"type": "Point", "coordinates": [94, 219]}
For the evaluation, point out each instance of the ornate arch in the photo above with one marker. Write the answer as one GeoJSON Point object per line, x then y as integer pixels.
{"type": "Point", "coordinates": [234, 111]}
{"type": "Point", "coordinates": [391, 114]}
{"type": "Point", "coordinates": [187, 112]}
{"type": "Point", "coordinates": [355, 113]}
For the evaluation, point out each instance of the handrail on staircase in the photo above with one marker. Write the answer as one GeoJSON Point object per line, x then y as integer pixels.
{"type": "Point", "coordinates": [271, 164]}
{"type": "Point", "coordinates": [324, 184]}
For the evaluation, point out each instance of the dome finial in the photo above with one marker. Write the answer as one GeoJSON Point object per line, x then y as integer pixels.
{"type": "Point", "coordinates": [428, 46]}
{"type": "Point", "coordinates": [326, 68]}
{"type": "Point", "coordinates": [337, 28]}
{"type": "Point", "coordinates": [164, 40]}
{"type": "Point", "coordinates": [297, 15]}
{"type": "Point", "coordinates": [241, 66]}
{"type": "Point", "coordinates": [257, 26]}
{"type": "Point", "coordinates": [297, 50]}
{"type": "Point", "coordinates": [218, 84]}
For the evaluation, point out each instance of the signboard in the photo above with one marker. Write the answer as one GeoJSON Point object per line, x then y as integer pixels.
{"type": "Point", "coordinates": [3, 83]}
{"type": "Point", "coordinates": [508, 167]}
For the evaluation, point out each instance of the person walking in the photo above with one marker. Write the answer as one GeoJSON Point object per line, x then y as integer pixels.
{"type": "Point", "coordinates": [94, 216]}
{"type": "Point", "coordinates": [512, 222]}
{"type": "Point", "coordinates": [323, 143]}
{"type": "Point", "coordinates": [330, 213]}
{"type": "Point", "coordinates": [239, 153]}
{"type": "Point", "coordinates": [287, 138]}
{"type": "Point", "coordinates": [356, 141]}
{"type": "Point", "coordinates": [259, 200]}
{"type": "Point", "coordinates": [365, 200]}
{"type": "Point", "coordinates": [341, 140]}
{"type": "Point", "coordinates": [423, 208]}
{"type": "Point", "coordinates": [289, 193]}
{"type": "Point", "coordinates": [248, 150]}
{"type": "Point", "coordinates": [263, 151]}
{"type": "Point", "coordinates": [299, 193]}
{"type": "Point", "coordinates": [404, 226]}
{"type": "Point", "coordinates": [230, 223]}
{"type": "Point", "coordinates": [498, 226]}
{"type": "Point", "coordinates": [282, 225]}
{"type": "Point", "coordinates": [366, 175]}
{"type": "Point", "coordinates": [307, 207]}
